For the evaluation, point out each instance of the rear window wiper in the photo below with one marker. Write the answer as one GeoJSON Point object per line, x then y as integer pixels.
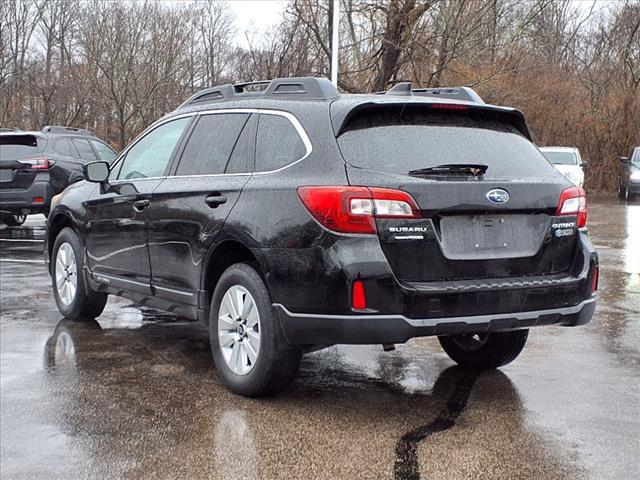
{"type": "Point", "coordinates": [474, 169]}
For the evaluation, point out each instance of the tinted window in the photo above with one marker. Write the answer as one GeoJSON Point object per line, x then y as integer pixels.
{"type": "Point", "coordinates": [278, 143]}
{"type": "Point", "coordinates": [13, 147]}
{"type": "Point", "coordinates": [84, 149]}
{"type": "Point", "coordinates": [242, 158]}
{"type": "Point", "coordinates": [399, 141]}
{"type": "Point", "coordinates": [210, 144]}
{"type": "Point", "coordinates": [63, 147]}
{"type": "Point", "coordinates": [561, 158]}
{"type": "Point", "coordinates": [150, 155]}
{"type": "Point", "coordinates": [104, 152]}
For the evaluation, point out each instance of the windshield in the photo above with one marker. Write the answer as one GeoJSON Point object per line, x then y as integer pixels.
{"type": "Point", "coordinates": [14, 147]}
{"type": "Point", "coordinates": [401, 141]}
{"type": "Point", "coordinates": [561, 158]}
{"type": "Point", "coordinates": [636, 156]}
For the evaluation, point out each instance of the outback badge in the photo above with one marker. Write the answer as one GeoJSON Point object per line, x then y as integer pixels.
{"type": "Point", "coordinates": [498, 196]}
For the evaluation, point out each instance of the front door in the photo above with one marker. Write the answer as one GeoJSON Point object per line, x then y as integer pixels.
{"type": "Point", "coordinates": [117, 214]}
{"type": "Point", "coordinates": [189, 208]}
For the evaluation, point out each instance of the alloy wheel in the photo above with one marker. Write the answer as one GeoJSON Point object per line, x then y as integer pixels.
{"type": "Point", "coordinates": [66, 274]}
{"type": "Point", "coordinates": [239, 330]}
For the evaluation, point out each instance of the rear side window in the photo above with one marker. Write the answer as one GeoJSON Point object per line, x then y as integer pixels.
{"type": "Point", "coordinates": [14, 147]}
{"type": "Point", "coordinates": [105, 153]}
{"type": "Point", "coordinates": [210, 144]}
{"type": "Point", "coordinates": [278, 143]}
{"type": "Point", "coordinates": [84, 149]}
{"type": "Point", "coordinates": [63, 147]}
{"type": "Point", "coordinates": [242, 158]}
{"type": "Point", "coordinates": [400, 140]}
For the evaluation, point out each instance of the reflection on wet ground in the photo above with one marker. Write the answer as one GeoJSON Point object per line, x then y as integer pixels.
{"type": "Point", "coordinates": [134, 394]}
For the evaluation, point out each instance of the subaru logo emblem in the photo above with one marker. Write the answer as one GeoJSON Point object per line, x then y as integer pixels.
{"type": "Point", "coordinates": [498, 196]}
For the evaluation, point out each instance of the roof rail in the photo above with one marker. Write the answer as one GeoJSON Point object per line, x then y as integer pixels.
{"type": "Point", "coordinates": [62, 129]}
{"type": "Point", "coordinates": [294, 88]}
{"type": "Point", "coordinates": [9, 129]}
{"type": "Point", "coordinates": [466, 94]}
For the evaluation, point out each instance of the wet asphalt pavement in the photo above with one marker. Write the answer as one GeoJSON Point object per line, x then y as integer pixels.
{"type": "Point", "coordinates": [135, 395]}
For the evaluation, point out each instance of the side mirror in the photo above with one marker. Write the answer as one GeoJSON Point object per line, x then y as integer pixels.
{"type": "Point", "coordinates": [97, 172]}
{"type": "Point", "coordinates": [624, 159]}
{"type": "Point", "coordinates": [584, 163]}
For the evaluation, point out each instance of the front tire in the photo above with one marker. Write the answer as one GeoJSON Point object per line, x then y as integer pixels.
{"type": "Point", "coordinates": [484, 350]}
{"type": "Point", "coordinates": [249, 351]}
{"type": "Point", "coordinates": [75, 299]}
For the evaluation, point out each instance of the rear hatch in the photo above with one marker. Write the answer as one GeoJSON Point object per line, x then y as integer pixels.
{"type": "Point", "coordinates": [18, 154]}
{"type": "Point", "coordinates": [492, 219]}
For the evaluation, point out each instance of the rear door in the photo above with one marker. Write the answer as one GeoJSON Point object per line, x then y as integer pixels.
{"type": "Point", "coordinates": [189, 208]}
{"type": "Point", "coordinates": [494, 225]}
{"type": "Point", "coordinates": [15, 152]}
{"type": "Point", "coordinates": [117, 216]}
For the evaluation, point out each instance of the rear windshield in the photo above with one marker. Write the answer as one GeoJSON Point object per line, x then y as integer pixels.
{"type": "Point", "coordinates": [561, 158]}
{"type": "Point", "coordinates": [401, 140]}
{"type": "Point", "coordinates": [14, 147]}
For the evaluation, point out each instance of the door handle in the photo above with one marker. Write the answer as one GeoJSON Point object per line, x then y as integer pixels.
{"type": "Point", "coordinates": [214, 200]}
{"type": "Point", "coordinates": [140, 205]}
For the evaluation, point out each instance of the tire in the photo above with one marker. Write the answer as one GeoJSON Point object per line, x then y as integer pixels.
{"type": "Point", "coordinates": [275, 362]}
{"type": "Point", "coordinates": [622, 192]}
{"type": "Point", "coordinates": [14, 220]}
{"type": "Point", "coordinates": [484, 350]}
{"type": "Point", "coordinates": [79, 303]}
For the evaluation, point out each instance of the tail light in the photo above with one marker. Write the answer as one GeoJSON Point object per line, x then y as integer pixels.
{"type": "Point", "coordinates": [573, 201]}
{"type": "Point", "coordinates": [37, 163]}
{"type": "Point", "coordinates": [354, 209]}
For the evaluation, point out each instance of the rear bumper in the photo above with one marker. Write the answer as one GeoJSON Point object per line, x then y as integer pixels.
{"type": "Point", "coordinates": [309, 328]}
{"type": "Point", "coordinates": [22, 201]}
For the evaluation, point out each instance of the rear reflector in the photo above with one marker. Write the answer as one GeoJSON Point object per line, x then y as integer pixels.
{"type": "Point", "coordinates": [354, 209]}
{"type": "Point", "coordinates": [38, 199]}
{"type": "Point", "coordinates": [358, 297]}
{"type": "Point", "coordinates": [573, 201]}
{"type": "Point", "coordinates": [594, 283]}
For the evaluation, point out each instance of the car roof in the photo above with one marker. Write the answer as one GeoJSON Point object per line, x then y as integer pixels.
{"type": "Point", "coordinates": [559, 149]}
{"type": "Point", "coordinates": [300, 95]}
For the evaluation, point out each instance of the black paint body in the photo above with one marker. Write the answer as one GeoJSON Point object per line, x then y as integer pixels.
{"type": "Point", "coordinates": [171, 253]}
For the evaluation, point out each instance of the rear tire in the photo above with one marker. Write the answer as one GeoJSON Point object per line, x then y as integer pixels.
{"type": "Point", "coordinates": [622, 192]}
{"type": "Point", "coordinates": [249, 351]}
{"type": "Point", "coordinates": [484, 350]}
{"type": "Point", "coordinates": [75, 299]}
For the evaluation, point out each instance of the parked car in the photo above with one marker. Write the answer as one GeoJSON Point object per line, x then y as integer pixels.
{"type": "Point", "coordinates": [568, 161]}
{"type": "Point", "coordinates": [296, 218]}
{"type": "Point", "coordinates": [34, 166]}
{"type": "Point", "coordinates": [630, 175]}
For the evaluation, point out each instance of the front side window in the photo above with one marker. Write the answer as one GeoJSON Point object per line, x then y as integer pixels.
{"type": "Point", "coordinates": [210, 144]}
{"type": "Point", "coordinates": [151, 154]}
{"type": "Point", "coordinates": [278, 143]}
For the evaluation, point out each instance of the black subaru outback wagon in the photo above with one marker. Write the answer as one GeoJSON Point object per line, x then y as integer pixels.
{"type": "Point", "coordinates": [295, 218]}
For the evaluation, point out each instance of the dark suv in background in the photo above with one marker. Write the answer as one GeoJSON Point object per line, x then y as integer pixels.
{"type": "Point", "coordinates": [630, 175]}
{"type": "Point", "coordinates": [296, 218]}
{"type": "Point", "coordinates": [34, 166]}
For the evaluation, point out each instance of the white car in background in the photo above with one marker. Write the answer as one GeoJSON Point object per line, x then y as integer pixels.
{"type": "Point", "coordinates": [568, 161]}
